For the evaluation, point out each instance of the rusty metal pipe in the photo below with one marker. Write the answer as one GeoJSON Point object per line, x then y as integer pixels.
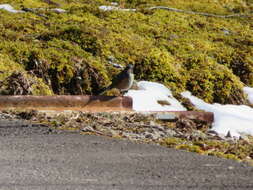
{"type": "Point", "coordinates": [65, 102]}
{"type": "Point", "coordinates": [194, 115]}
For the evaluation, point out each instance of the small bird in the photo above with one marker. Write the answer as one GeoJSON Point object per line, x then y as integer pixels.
{"type": "Point", "coordinates": [123, 81]}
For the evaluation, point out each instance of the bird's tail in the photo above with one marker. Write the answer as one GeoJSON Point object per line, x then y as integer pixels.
{"type": "Point", "coordinates": [103, 90]}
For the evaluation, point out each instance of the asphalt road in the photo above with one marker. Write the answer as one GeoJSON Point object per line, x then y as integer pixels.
{"type": "Point", "coordinates": [33, 157]}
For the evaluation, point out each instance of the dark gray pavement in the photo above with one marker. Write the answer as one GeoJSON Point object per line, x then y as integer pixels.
{"type": "Point", "coordinates": [33, 157]}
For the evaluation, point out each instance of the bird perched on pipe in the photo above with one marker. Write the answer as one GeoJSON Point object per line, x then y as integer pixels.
{"type": "Point", "coordinates": [123, 81]}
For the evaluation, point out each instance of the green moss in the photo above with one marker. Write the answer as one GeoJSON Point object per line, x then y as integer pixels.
{"type": "Point", "coordinates": [212, 81]}
{"type": "Point", "coordinates": [222, 155]}
{"type": "Point", "coordinates": [40, 88]}
{"type": "Point", "coordinates": [22, 83]}
{"type": "Point", "coordinates": [160, 66]}
{"type": "Point", "coordinates": [212, 57]}
{"type": "Point", "coordinates": [190, 148]}
{"type": "Point", "coordinates": [171, 142]}
{"type": "Point", "coordinates": [31, 3]}
{"type": "Point", "coordinates": [240, 150]}
{"type": "Point", "coordinates": [7, 66]}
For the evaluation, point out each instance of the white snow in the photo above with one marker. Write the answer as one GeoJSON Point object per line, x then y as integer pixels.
{"type": "Point", "coordinates": [145, 99]}
{"type": "Point", "coordinates": [114, 3]}
{"type": "Point", "coordinates": [238, 119]}
{"type": "Point", "coordinates": [58, 10]}
{"type": "Point", "coordinates": [249, 92]}
{"type": "Point", "coordinates": [108, 8]}
{"type": "Point", "coordinates": [9, 8]}
{"type": "Point", "coordinates": [114, 8]}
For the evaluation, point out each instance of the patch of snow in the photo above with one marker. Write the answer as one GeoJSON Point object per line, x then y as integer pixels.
{"type": "Point", "coordinates": [114, 62]}
{"type": "Point", "coordinates": [9, 8]}
{"type": "Point", "coordinates": [108, 8]}
{"type": "Point", "coordinates": [234, 118]}
{"type": "Point", "coordinates": [113, 8]}
{"type": "Point", "coordinates": [58, 10]}
{"type": "Point", "coordinates": [116, 65]}
{"type": "Point", "coordinates": [114, 3]}
{"type": "Point", "coordinates": [249, 92]}
{"type": "Point", "coordinates": [148, 95]}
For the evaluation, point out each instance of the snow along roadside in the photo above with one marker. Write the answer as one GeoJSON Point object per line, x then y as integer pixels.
{"type": "Point", "coordinates": [236, 119]}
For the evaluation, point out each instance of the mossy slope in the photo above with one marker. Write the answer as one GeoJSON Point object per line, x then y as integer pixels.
{"type": "Point", "coordinates": [69, 52]}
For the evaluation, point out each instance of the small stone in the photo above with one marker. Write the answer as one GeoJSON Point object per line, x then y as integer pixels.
{"type": "Point", "coordinates": [216, 135]}
{"type": "Point", "coordinates": [212, 133]}
{"type": "Point", "coordinates": [228, 135]}
{"type": "Point", "coordinates": [225, 31]}
{"type": "Point", "coordinates": [160, 128]}
{"type": "Point", "coordinates": [157, 135]}
{"type": "Point", "coordinates": [87, 129]}
{"type": "Point", "coordinates": [170, 133]}
{"type": "Point", "coordinates": [148, 135]}
{"type": "Point", "coordinates": [196, 134]}
{"type": "Point", "coordinates": [152, 123]}
{"type": "Point", "coordinates": [166, 116]}
{"type": "Point", "coordinates": [114, 133]}
{"type": "Point", "coordinates": [58, 10]}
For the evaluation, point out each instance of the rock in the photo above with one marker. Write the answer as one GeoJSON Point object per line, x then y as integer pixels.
{"type": "Point", "coordinates": [214, 135]}
{"type": "Point", "coordinates": [170, 133]}
{"type": "Point", "coordinates": [148, 135]}
{"type": "Point", "coordinates": [6, 116]}
{"type": "Point", "coordinates": [166, 116]}
{"type": "Point", "coordinates": [158, 127]}
{"type": "Point", "coordinates": [152, 123]}
{"type": "Point", "coordinates": [226, 32]}
{"type": "Point", "coordinates": [198, 135]}
{"type": "Point", "coordinates": [185, 124]}
{"type": "Point", "coordinates": [88, 129]}
{"type": "Point", "coordinates": [228, 135]}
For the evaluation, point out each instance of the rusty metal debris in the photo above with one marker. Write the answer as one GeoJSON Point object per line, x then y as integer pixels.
{"type": "Point", "coordinates": [193, 115]}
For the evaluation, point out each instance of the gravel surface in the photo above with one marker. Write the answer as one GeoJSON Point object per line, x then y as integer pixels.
{"type": "Point", "coordinates": [36, 157]}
